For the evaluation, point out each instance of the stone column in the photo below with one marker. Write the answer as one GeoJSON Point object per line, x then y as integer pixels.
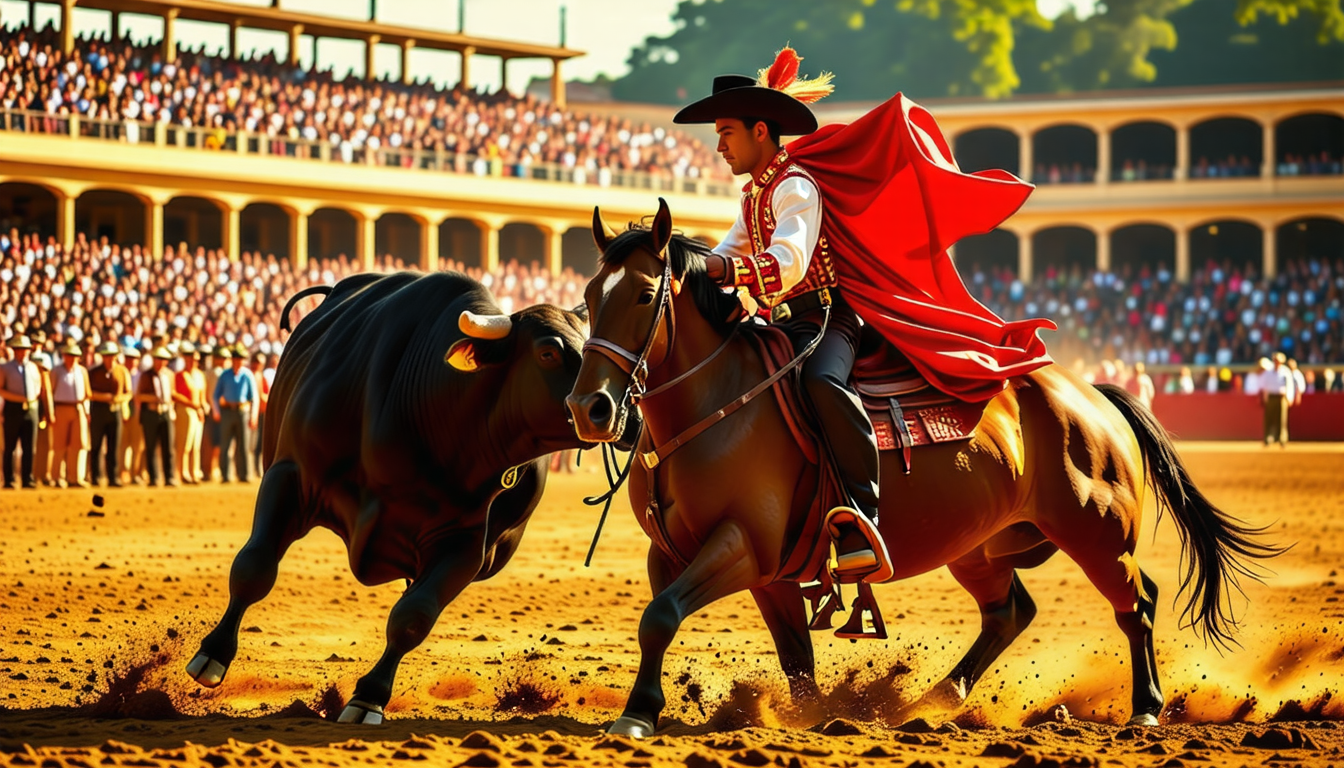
{"type": "Point", "coordinates": [298, 238]}
{"type": "Point", "coordinates": [464, 82]}
{"type": "Point", "coordinates": [154, 228]}
{"type": "Point", "coordinates": [557, 85]}
{"type": "Point", "coordinates": [504, 74]}
{"type": "Point", "coordinates": [554, 236]}
{"type": "Point", "coordinates": [1103, 157]}
{"type": "Point", "coordinates": [429, 244]}
{"type": "Point", "coordinates": [1024, 157]}
{"type": "Point", "coordinates": [1104, 251]}
{"type": "Point", "coordinates": [369, 46]}
{"type": "Point", "coordinates": [1182, 255]}
{"type": "Point", "coordinates": [1267, 151]}
{"type": "Point", "coordinates": [116, 25]}
{"type": "Point", "coordinates": [1024, 257]}
{"type": "Point", "coordinates": [67, 25]}
{"type": "Point", "coordinates": [365, 239]}
{"type": "Point", "coordinates": [295, 32]}
{"type": "Point", "coordinates": [232, 226]}
{"type": "Point", "coordinates": [1269, 252]}
{"type": "Point", "coordinates": [233, 37]}
{"type": "Point", "coordinates": [65, 219]}
{"type": "Point", "coordinates": [489, 245]}
{"type": "Point", "coordinates": [169, 41]}
{"type": "Point", "coordinates": [406, 60]}
{"type": "Point", "coordinates": [1182, 170]}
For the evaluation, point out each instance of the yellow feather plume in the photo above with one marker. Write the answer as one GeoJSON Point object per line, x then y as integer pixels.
{"type": "Point", "coordinates": [809, 91]}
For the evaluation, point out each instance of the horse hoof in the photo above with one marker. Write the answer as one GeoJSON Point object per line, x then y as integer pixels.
{"type": "Point", "coordinates": [206, 671]}
{"type": "Point", "coordinates": [1144, 720]}
{"type": "Point", "coordinates": [361, 712]}
{"type": "Point", "coordinates": [948, 694]}
{"type": "Point", "coordinates": [633, 727]}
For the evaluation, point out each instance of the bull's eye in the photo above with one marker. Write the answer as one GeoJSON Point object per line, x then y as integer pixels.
{"type": "Point", "coordinates": [549, 354]}
{"type": "Point", "coordinates": [646, 298]}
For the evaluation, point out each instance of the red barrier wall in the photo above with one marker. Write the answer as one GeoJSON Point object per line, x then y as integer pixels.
{"type": "Point", "coordinates": [1230, 416]}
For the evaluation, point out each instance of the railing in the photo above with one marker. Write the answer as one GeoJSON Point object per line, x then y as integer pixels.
{"type": "Point", "coordinates": [257, 144]}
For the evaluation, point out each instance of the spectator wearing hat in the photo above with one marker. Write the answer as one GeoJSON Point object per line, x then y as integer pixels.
{"type": "Point", "coordinates": [70, 389]}
{"type": "Point", "coordinates": [109, 392]}
{"type": "Point", "coordinates": [219, 362]}
{"type": "Point", "coordinates": [155, 396]}
{"type": "Point", "coordinates": [21, 390]}
{"type": "Point", "coordinates": [1276, 394]}
{"type": "Point", "coordinates": [46, 426]}
{"type": "Point", "coordinates": [234, 397]}
{"type": "Point", "coordinates": [258, 368]}
{"type": "Point", "coordinates": [131, 453]}
{"type": "Point", "coordinates": [189, 403]}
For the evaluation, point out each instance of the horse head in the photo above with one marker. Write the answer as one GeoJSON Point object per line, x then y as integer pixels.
{"type": "Point", "coordinates": [632, 313]}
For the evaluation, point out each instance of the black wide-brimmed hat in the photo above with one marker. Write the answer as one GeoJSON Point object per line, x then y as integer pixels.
{"type": "Point", "coordinates": [776, 95]}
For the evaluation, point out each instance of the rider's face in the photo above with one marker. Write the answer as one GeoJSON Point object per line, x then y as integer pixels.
{"type": "Point", "coordinates": [741, 147]}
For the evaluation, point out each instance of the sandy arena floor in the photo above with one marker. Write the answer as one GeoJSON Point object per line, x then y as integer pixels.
{"type": "Point", "coordinates": [98, 616]}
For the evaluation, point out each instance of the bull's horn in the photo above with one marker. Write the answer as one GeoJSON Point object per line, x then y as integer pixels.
{"type": "Point", "coordinates": [484, 326]}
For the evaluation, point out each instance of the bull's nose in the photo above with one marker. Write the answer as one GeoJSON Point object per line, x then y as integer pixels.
{"type": "Point", "coordinates": [594, 414]}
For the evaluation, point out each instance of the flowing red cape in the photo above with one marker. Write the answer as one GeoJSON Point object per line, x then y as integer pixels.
{"type": "Point", "coordinates": [895, 201]}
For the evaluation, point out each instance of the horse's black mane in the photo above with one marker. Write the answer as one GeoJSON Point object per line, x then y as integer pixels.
{"type": "Point", "coordinates": [687, 256]}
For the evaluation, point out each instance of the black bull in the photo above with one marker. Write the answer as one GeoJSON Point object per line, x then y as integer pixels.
{"type": "Point", "coordinates": [409, 416]}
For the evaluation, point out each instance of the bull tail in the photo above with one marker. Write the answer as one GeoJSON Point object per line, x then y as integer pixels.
{"type": "Point", "coordinates": [309, 291]}
{"type": "Point", "coordinates": [1217, 549]}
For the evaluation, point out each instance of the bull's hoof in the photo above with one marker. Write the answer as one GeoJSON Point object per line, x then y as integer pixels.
{"type": "Point", "coordinates": [1145, 720]}
{"type": "Point", "coordinates": [206, 671]}
{"type": "Point", "coordinates": [361, 712]}
{"type": "Point", "coordinates": [634, 727]}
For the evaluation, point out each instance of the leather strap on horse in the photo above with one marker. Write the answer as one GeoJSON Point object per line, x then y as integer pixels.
{"type": "Point", "coordinates": [658, 455]}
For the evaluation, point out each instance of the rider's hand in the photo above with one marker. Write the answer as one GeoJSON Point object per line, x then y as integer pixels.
{"type": "Point", "coordinates": [717, 268]}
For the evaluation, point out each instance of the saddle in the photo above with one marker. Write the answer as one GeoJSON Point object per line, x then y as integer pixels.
{"type": "Point", "coordinates": [907, 412]}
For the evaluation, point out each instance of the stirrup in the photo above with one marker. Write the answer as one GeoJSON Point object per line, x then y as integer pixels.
{"type": "Point", "coordinates": [866, 565]}
{"type": "Point", "coordinates": [865, 606]}
{"type": "Point", "coordinates": [825, 600]}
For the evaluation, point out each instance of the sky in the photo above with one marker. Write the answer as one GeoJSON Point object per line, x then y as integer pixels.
{"type": "Point", "coordinates": [606, 30]}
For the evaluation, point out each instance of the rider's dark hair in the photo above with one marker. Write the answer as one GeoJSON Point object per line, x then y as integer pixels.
{"type": "Point", "coordinates": [771, 127]}
{"type": "Point", "coordinates": [687, 256]}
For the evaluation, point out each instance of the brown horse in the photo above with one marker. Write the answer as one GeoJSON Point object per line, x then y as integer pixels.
{"type": "Point", "coordinates": [1054, 464]}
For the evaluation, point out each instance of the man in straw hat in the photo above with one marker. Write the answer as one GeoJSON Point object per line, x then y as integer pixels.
{"type": "Point", "coordinates": [110, 391]}
{"type": "Point", "coordinates": [21, 389]}
{"type": "Point", "coordinates": [189, 402]}
{"type": "Point", "coordinates": [858, 218]}
{"type": "Point", "coordinates": [155, 396]}
{"type": "Point", "coordinates": [70, 390]}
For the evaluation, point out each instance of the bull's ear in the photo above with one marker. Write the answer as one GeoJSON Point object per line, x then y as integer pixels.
{"type": "Point", "coordinates": [602, 234]}
{"type": "Point", "coordinates": [582, 311]}
{"type": "Point", "coordinates": [662, 228]}
{"type": "Point", "coordinates": [462, 356]}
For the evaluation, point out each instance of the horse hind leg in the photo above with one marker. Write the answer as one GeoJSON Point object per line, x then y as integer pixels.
{"type": "Point", "coordinates": [781, 605]}
{"type": "Point", "coordinates": [1138, 628]}
{"type": "Point", "coordinates": [275, 525]}
{"type": "Point", "coordinates": [1005, 611]}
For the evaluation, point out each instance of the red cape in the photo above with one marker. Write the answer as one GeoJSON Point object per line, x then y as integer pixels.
{"type": "Point", "coordinates": [895, 201]}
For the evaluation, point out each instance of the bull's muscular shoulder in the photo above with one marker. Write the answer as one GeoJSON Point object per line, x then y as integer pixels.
{"type": "Point", "coordinates": [365, 373]}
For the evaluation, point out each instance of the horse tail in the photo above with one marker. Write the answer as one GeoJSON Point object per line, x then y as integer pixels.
{"type": "Point", "coordinates": [312, 290]}
{"type": "Point", "coordinates": [1216, 548]}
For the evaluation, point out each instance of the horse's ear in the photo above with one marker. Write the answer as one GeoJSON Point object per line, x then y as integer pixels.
{"type": "Point", "coordinates": [662, 228]}
{"type": "Point", "coordinates": [602, 234]}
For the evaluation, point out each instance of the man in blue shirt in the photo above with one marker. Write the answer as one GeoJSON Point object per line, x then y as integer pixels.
{"type": "Point", "coordinates": [234, 395]}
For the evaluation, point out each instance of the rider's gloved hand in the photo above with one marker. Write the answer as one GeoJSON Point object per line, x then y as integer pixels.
{"type": "Point", "coordinates": [717, 268]}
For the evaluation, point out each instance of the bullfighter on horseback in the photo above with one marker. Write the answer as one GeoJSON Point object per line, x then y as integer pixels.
{"type": "Point", "coordinates": [779, 252]}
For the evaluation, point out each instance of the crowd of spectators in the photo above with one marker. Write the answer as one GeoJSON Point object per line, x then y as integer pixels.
{"type": "Point", "coordinates": [496, 133]}
{"type": "Point", "coordinates": [1229, 168]}
{"type": "Point", "coordinates": [1064, 173]}
{"type": "Point", "coordinates": [1223, 316]}
{"type": "Point", "coordinates": [1141, 170]}
{"type": "Point", "coordinates": [1320, 164]}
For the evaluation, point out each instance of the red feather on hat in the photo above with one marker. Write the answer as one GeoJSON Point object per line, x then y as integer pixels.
{"type": "Point", "coordinates": [785, 69]}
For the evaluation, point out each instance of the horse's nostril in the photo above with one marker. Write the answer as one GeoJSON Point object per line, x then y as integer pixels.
{"type": "Point", "coordinates": [601, 410]}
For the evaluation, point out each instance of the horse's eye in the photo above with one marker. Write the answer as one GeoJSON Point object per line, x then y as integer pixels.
{"type": "Point", "coordinates": [646, 298]}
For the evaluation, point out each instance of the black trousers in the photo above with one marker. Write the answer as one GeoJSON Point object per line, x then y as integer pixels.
{"type": "Point", "coordinates": [233, 431]}
{"type": "Point", "coordinates": [104, 435]}
{"type": "Point", "coordinates": [845, 424]}
{"type": "Point", "coordinates": [20, 432]}
{"type": "Point", "coordinates": [158, 434]}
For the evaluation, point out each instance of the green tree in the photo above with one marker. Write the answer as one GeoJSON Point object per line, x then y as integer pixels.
{"type": "Point", "coordinates": [932, 48]}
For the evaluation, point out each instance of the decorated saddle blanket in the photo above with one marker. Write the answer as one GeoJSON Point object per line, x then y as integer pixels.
{"type": "Point", "coordinates": [907, 412]}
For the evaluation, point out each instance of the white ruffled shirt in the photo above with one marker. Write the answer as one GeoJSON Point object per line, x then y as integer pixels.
{"type": "Point", "coordinates": [796, 203]}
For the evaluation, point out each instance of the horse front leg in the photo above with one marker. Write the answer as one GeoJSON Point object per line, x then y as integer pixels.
{"type": "Point", "coordinates": [781, 605]}
{"type": "Point", "coordinates": [724, 565]}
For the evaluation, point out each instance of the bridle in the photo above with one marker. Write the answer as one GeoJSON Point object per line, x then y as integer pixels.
{"type": "Point", "coordinates": [636, 367]}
